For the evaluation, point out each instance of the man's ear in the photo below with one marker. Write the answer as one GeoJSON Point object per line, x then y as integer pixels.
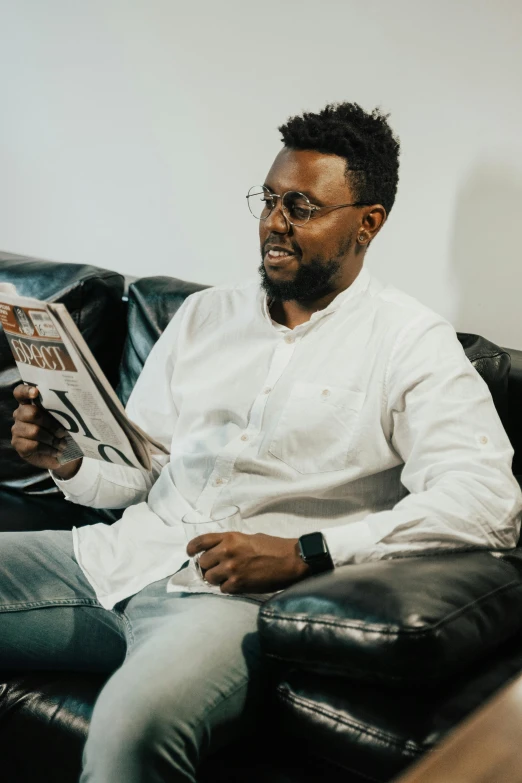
{"type": "Point", "coordinates": [373, 220]}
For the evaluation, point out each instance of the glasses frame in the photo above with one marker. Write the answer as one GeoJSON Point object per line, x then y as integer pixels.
{"type": "Point", "coordinates": [313, 207]}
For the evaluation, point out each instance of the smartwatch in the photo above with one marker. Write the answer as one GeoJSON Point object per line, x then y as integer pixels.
{"type": "Point", "coordinates": [314, 551]}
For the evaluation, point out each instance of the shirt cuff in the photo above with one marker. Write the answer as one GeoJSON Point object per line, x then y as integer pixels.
{"type": "Point", "coordinates": [349, 543]}
{"type": "Point", "coordinates": [81, 482]}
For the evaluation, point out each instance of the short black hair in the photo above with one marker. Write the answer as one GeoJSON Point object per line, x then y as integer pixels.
{"type": "Point", "coordinates": [364, 139]}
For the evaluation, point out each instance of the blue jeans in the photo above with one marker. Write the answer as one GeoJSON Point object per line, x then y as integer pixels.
{"type": "Point", "coordinates": [186, 669]}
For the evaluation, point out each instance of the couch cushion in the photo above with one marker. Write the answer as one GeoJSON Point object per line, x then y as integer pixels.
{"type": "Point", "coordinates": [152, 303]}
{"type": "Point", "coordinates": [405, 622]}
{"type": "Point", "coordinates": [93, 297]}
{"type": "Point", "coordinates": [44, 720]}
{"type": "Point", "coordinates": [376, 731]}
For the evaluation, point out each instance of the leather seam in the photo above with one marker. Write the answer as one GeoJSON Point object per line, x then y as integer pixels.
{"type": "Point", "coordinates": [477, 357]}
{"type": "Point", "coordinates": [347, 673]}
{"type": "Point", "coordinates": [353, 724]}
{"type": "Point", "coordinates": [382, 629]}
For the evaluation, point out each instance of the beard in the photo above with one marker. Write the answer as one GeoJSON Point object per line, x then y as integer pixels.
{"type": "Point", "coordinates": [311, 282]}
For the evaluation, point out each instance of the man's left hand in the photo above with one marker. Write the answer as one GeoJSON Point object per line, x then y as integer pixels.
{"type": "Point", "coordinates": [243, 563]}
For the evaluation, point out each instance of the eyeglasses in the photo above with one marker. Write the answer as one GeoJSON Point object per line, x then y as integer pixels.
{"type": "Point", "coordinates": [296, 207]}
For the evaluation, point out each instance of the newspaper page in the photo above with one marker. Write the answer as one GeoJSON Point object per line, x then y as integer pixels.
{"type": "Point", "coordinates": [142, 443]}
{"type": "Point", "coordinates": [70, 390]}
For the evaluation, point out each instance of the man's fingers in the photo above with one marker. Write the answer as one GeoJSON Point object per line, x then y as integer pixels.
{"type": "Point", "coordinates": [202, 543]}
{"type": "Point", "coordinates": [25, 394]}
{"type": "Point", "coordinates": [216, 576]}
{"type": "Point", "coordinates": [36, 435]}
{"type": "Point", "coordinates": [33, 414]}
{"type": "Point", "coordinates": [222, 576]}
{"type": "Point", "coordinates": [29, 431]}
{"type": "Point", "coordinates": [232, 585]}
{"type": "Point", "coordinates": [28, 448]}
{"type": "Point", "coordinates": [210, 558]}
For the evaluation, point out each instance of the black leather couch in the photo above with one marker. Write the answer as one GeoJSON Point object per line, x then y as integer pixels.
{"type": "Point", "coordinates": [370, 665]}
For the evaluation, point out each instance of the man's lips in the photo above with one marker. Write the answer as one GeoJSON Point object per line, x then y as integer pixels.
{"type": "Point", "coordinates": [276, 254]}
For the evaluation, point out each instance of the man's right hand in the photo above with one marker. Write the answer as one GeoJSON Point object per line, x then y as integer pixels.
{"type": "Point", "coordinates": [37, 436]}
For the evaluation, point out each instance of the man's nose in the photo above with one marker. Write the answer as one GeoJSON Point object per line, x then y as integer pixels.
{"type": "Point", "coordinates": [277, 222]}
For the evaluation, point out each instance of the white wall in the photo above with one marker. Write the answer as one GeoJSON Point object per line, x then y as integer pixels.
{"type": "Point", "coordinates": [130, 131]}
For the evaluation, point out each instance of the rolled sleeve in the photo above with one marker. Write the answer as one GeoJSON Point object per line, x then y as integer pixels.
{"type": "Point", "coordinates": [83, 484]}
{"type": "Point", "coordinates": [105, 485]}
{"type": "Point", "coordinates": [346, 542]}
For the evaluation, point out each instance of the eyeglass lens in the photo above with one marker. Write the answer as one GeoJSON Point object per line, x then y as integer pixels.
{"type": "Point", "coordinates": [296, 206]}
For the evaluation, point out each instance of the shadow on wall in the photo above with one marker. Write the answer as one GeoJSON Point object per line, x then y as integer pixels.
{"type": "Point", "coordinates": [486, 254]}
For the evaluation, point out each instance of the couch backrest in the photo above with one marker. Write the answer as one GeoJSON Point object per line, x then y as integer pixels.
{"type": "Point", "coordinates": [93, 296]}
{"type": "Point", "coordinates": [152, 301]}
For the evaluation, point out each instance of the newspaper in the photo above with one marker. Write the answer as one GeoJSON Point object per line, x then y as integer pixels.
{"type": "Point", "coordinates": [50, 353]}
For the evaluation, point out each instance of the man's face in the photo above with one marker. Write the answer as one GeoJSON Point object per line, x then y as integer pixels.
{"type": "Point", "coordinates": [319, 255]}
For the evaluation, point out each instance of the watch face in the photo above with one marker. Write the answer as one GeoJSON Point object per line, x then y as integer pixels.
{"type": "Point", "coordinates": [312, 546]}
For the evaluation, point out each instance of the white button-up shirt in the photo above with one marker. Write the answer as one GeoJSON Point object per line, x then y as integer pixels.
{"type": "Point", "coordinates": [367, 423]}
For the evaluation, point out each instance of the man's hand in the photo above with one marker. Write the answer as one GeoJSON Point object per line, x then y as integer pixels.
{"type": "Point", "coordinates": [243, 563]}
{"type": "Point", "coordinates": [37, 436]}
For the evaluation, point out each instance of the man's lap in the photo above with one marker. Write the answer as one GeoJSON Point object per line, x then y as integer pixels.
{"type": "Point", "coordinates": [50, 617]}
{"type": "Point", "coordinates": [186, 668]}
{"type": "Point", "coordinates": [38, 569]}
{"type": "Point", "coordinates": [49, 609]}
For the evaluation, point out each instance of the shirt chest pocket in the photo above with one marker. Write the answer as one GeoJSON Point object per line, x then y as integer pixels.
{"type": "Point", "coordinates": [316, 430]}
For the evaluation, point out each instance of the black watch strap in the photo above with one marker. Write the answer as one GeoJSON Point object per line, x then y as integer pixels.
{"type": "Point", "coordinates": [313, 549]}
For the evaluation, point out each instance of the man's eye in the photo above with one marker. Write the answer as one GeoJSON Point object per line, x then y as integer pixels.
{"type": "Point", "coordinates": [269, 202]}
{"type": "Point", "coordinates": [301, 213]}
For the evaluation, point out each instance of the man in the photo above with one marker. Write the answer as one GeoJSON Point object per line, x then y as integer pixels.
{"type": "Point", "coordinates": [341, 416]}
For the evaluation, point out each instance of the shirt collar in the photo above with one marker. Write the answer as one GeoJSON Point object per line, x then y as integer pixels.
{"type": "Point", "coordinates": [359, 285]}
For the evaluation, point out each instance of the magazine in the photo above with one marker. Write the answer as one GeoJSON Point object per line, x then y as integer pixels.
{"type": "Point", "coordinates": [50, 353]}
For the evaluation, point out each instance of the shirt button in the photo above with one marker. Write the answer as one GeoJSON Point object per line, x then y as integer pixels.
{"type": "Point", "coordinates": [218, 482]}
{"type": "Point", "coordinates": [244, 437]}
{"type": "Point", "coordinates": [267, 390]}
{"type": "Point", "coordinates": [325, 392]}
{"type": "Point", "coordinates": [289, 338]}
{"type": "Point", "coordinates": [483, 439]}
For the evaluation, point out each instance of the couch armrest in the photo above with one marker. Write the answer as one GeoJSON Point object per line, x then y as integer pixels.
{"type": "Point", "coordinates": [415, 620]}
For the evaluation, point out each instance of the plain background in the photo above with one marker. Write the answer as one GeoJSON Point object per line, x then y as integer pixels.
{"type": "Point", "coordinates": [131, 130]}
